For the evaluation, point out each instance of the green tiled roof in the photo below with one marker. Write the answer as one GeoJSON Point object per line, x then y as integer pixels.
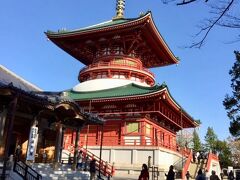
{"type": "Point", "coordinates": [120, 92]}
{"type": "Point", "coordinates": [97, 26]}
{"type": "Point", "coordinates": [123, 91]}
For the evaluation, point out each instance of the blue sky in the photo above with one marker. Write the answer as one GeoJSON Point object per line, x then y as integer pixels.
{"type": "Point", "coordinates": [199, 83]}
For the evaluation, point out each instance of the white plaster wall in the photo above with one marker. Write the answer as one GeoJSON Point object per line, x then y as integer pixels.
{"type": "Point", "coordinates": [123, 156]}
{"type": "Point", "coordinates": [142, 156]}
{"type": "Point", "coordinates": [134, 157]}
{"type": "Point", "coordinates": [166, 159]}
{"type": "Point", "coordinates": [215, 166]}
{"type": "Point", "coordinates": [106, 154]}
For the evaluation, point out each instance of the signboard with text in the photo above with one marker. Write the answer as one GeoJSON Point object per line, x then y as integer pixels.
{"type": "Point", "coordinates": [32, 144]}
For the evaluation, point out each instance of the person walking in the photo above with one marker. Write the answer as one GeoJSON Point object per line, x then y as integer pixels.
{"type": "Point", "coordinates": [188, 176]}
{"type": "Point", "coordinates": [231, 175]}
{"type": "Point", "coordinates": [214, 176]}
{"type": "Point", "coordinates": [144, 173]}
{"type": "Point", "coordinates": [79, 160]}
{"type": "Point", "coordinates": [207, 174]}
{"type": "Point", "coordinates": [18, 152]}
{"type": "Point", "coordinates": [92, 169]}
{"type": "Point", "coordinates": [221, 175]}
{"type": "Point", "coordinates": [44, 156]}
{"type": "Point", "coordinates": [171, 173]}
{"type": "Point", "coordinates": [86, 163]}
{"type": "Point", "coordinates": [200, 175]}
{"type": "Point", "coordinates": [194, 156]}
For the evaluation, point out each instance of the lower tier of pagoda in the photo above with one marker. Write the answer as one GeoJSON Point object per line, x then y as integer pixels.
{"type": "Point", "coordinates": [142, 132]}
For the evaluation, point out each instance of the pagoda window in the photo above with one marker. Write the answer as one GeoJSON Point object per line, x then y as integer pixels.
{"type": "Point", "coordinates": [131, 63]}
{"type": "Point", "coordinates": [118, 61]}
{"type": "Point", "coordinates": [132, 127]}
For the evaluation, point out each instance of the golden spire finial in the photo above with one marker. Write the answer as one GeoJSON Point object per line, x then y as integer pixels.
{"type": "Point", "coordinates": [120, 7]}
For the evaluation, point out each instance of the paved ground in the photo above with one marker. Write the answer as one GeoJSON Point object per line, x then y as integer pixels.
{"type": "Point", "coordinates": [125, 177]}
{"type": "Point", "coordinates": [130, 177]}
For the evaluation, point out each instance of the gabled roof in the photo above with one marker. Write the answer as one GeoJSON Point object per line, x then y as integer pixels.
{"type": "Point", "coordinates": [8, 77]}
{"type": "Point", "coordinates": [75, 42]}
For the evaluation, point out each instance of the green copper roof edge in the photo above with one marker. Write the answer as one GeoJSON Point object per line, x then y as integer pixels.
{"type": "Point", "coordinates": [154, 89]}
{"type": "Point", "coordinates": [70, 32]}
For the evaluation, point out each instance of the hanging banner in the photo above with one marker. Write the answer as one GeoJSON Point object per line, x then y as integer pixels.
{"type": "Point", "coordinates": [32, 144]}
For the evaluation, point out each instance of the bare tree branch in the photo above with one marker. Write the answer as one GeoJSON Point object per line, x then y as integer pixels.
{"type": "Point", "coordinates": [222, 16]}
{"type": "Point", "coordinates": [210, 26]}
{"type": "Point", "coordinates": [185, 2]}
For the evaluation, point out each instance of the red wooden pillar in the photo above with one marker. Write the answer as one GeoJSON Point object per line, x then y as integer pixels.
{"type": "Point", "coordinates": [123, 126]}
{"type": "Point", "coordinates": [143, 132]}
{"type": "Point", "coordinates": [98, 135]}
{"type": "Point", "coordinates": [152, 131]}
{"type": "Point", "coordinates": [170, 141]}
{"type": "Point", "coordinates": [165, 139]}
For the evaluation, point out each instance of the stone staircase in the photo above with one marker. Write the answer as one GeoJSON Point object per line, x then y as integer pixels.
{"type": "Point", "coordinates": [194, 167]}
{"type": "Point", "coordinates": [106, 169]}
{"type": "Point", "coordinates": [64, 172]}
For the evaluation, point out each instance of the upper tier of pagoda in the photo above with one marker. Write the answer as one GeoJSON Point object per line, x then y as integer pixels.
{"type": "Point", "coordinates": [136, 38]}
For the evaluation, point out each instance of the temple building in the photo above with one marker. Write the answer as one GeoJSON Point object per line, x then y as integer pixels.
{"type": "Point", "coordinates": [142, 118]}
{"type": "Point", "coordinates": [118, 114]}
{"type": "Point", "coordinates": [34, 120]}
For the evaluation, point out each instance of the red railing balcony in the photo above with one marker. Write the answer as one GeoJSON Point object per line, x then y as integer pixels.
{"type": "Point", "coordinates": [138, 142]}
{"type": "Point", "coordinates": [112, 64]}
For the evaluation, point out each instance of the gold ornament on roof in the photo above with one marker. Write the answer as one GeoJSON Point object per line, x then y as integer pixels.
{"type": "Point", "coordinates": [120, 7]}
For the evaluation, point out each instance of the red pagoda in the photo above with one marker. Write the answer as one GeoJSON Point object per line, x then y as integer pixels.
{"type": "Point", "coordinates": [141, 117]}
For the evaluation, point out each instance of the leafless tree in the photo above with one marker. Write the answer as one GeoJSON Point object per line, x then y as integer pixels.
{"type": "Point", "coordinates": [224, 13]}
{"type": "Point", "coordinates": [234, 145]}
